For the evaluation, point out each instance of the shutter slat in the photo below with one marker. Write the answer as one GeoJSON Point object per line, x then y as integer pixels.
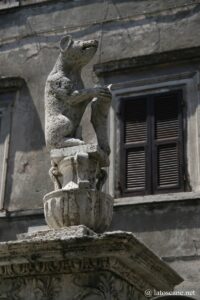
{"type": "Point", "coordinates": [168, 173]}
{"type": "Point", "coordinates": [167, 126]}
{"type": "Point", "coordinates": [135, 169]}
{"type": "Point", "coordinates": [166, 117]}
{"type": "Point", "coordinates": [135, 131]}
{"type": "Point", "coordinates": [135, 126]}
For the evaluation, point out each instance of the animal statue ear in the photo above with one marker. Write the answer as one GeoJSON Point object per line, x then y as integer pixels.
{"type": "Point", "coordinates": [65, 43]}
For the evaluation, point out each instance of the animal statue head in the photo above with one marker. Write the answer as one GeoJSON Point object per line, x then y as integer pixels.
{"type": "Point", "coordinates": [78, 53]}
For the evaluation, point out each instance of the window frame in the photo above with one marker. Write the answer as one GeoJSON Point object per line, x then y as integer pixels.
{"type": "Point", "coordinates": [188, 82]}
{"type": "Point", "coordinates": [151, 145]}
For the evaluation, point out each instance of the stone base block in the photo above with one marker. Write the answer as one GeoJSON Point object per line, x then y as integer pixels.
{"type": "Point", "coordinates": [77, 264]}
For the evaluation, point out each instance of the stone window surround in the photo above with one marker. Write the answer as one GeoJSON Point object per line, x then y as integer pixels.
{"type": "Point", "coordinates": [188, 81]}
{"type": "Point", "coordinates": [7, 84]}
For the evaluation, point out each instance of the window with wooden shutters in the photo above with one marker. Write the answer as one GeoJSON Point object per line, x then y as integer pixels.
{"type": "Point", "coordinates": [152, 144]}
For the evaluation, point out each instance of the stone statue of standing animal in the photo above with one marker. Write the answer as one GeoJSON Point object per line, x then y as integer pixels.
{"type": "Point", "coordinates": [66, 98]}
{"type": "Point", "coordinates": [77, 168]}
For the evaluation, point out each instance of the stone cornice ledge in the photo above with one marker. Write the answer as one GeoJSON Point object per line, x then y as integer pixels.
{"type": "Point", "coordinates": [161, 198]}
{"type": "Point", "coordinates": [173, 56]}
{"type": "Point", "coordinates": [78, 249]}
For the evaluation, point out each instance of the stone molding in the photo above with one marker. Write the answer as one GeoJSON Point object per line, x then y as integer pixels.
{"type": "Point", "coordinates": [151, 199]}
{"type": "Point", "coordinates": [106, 286]}
{"type": "Point", "coordinates": [76, 266]}
{"type": "Point", "coordinates": [79, 249]}
{"type": "Point", "coordinates": [174, 56]}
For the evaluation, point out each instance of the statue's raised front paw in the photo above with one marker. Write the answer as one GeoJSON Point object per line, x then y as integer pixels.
{"type": "Point", "coordinates": [103, 93]}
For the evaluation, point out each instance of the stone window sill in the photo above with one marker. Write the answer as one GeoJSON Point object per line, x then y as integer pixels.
{"type": "Point", "coordinates": [172, 197]}
{"type": "Point", "coordinates": [138, 200]}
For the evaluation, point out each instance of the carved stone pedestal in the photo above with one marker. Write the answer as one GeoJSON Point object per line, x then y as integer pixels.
{"type": "Point", "coordinates": [77, 264]}
{"type": "Point", "coordinates": [77, 199]}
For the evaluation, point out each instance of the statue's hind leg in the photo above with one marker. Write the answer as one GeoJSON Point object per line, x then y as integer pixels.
{"type": "Point", "coordinates": [59, 133]}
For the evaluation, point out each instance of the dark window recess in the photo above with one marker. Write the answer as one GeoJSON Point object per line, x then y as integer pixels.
{"type": "Point", "coordinates": [152, 144]}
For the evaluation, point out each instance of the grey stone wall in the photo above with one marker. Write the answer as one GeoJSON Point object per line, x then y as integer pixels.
{"type": "Point", "coordinates": [126, 30]}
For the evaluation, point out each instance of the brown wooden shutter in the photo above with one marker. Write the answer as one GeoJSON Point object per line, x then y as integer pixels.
{"type": "Point", "coordinates": [152, 144]}
{"type": "Point", "coordinates": [167, 148]}
{"type": "Point", "coordinates": [134, 145]}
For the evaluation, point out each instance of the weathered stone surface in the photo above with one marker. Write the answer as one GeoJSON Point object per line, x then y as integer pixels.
{"type": "Point", "coordinates": [76, 263]}
{"type": "Point", "coordinates": [50, 235]}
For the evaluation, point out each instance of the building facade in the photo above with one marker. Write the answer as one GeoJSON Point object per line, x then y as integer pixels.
{"type": "Point", "coordinates": [149, 52]}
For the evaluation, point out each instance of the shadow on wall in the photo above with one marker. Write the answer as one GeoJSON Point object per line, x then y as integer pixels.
{"type": "Point", "coordinates": [26, 136]}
